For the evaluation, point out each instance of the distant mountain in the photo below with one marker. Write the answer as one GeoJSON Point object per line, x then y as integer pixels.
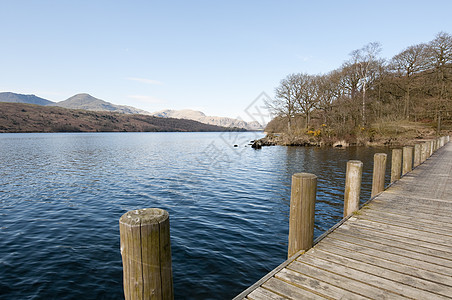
{"type": "Point", "coordinates": [20, 98]}
{"type": "Point", "coordinates": [21, 117]}
{"type": "Point", "coordinates": [201, 117]}
{"type": "Point", "coordinates": [88, 102]}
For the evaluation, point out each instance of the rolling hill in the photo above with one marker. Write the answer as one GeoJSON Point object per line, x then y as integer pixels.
{"type": "Point", "coordinates": [201, 117]}
{"type": "Point", "coordinates": [90, 103]}
{"type": "Point", "coordinates": [21, 117]}
{"type": "Point", "coordinates": [20, 98]}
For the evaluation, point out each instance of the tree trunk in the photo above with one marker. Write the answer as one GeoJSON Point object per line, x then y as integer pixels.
{"type": "Point", "coordinates": [364, 105]}
{"type": "Point", "coordinates": [407, 103]}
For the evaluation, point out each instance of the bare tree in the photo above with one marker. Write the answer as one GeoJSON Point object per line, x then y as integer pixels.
{"type": "Point", "coordinates": [308, 97]}
{"type": "Point", "coordinates": [285, 101]}
{"type": "Point", "coordinates": [440, 50]}
{"type": "Point", "coordinates": [349, 79]}
{"type": "Point", "coordinates": [365, 62]}
{"type": "Point", "coordinates": [407, 63]}
{"type": "Point", "coordinates": [330, 91]}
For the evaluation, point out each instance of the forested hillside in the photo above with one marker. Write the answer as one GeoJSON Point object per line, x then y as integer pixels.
{"type": "Point", "coordinates": [369, 97]}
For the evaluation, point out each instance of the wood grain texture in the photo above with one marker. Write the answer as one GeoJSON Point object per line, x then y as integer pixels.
{"type": "Point", "coordinates": [352, 191]}
{"type": "Point", "coordinates": [146, 254]}
{"type": "Point", "coordinates": [302, 210]}
{"type": "Point", "coordinates": [407, 159]}
{"type": "Point", "coordinates": [378, 177]}
{"type": "Point", "coordinates": [417, 155]}
{"type": "Point", "coordinates": [396, 164]}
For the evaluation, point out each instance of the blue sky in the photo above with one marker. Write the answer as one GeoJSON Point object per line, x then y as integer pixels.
{"type": "Point", "coordinates": [212, 56]}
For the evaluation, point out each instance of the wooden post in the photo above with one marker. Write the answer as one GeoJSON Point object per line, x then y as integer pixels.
{"type": "Point", "coordinates": [407, 159]}
{"type": "Point", "coordinates": [427, 150]}
{"type": "Point", "coordinates": [417, 155]}
{"type": "Point", "coordinates": [146, 254]}
{"type": "Point", "coordinates": [423, 151]}
{"type": "Point", "coordinates": [431, 148]}
{"type": "Point", "coordinates": [396, 164]}
{"type": "Point", "coordinates": [302, 211]}
{"type": "Point", "coordinates": [352, 186]}
{"type": "Point", "coordinates": [378, 178]}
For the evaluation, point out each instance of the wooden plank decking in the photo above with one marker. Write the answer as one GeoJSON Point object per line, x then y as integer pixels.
{"type": "Point", "coordinates": [398, 246]}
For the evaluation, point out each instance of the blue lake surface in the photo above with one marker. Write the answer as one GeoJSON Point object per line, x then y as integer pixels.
{"type": "Point", "coordinates": [62, 194]}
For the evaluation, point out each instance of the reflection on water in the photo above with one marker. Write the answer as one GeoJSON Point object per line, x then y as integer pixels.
{"type": "Point", "coordinates": [61, 196]}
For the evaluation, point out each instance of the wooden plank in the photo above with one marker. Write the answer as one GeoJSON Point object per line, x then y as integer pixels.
{"type": "Point", "coordinates": [409, 207]}
{"type": "Point", "coordinates": [289, 291]}
{"type": "Point", "coordinates": [267, 276]}
{"type": "Point", "coordinates": [433, 223]}
{"type": "Point", "coordinates": [395, 195]}
{"type": "Point", "coordinates": [419, 186]}
{"type": "Point", "coordinates": [264, 294]}
{"type": "Point", "coordinates": [426, 288]}
{"type": "Point", "coordinates": [440, 208]}
{"type": "Point", "coordinates": [393, 225]}
{"type": "Point", "coordinates": [338, 280]}
{"type": "Point", "coordinates": [371, 279]}
{"type": "Point", "coordinates": [401, 211]}
{"type": "Point", "coordinates": [373, 260]}
{"type": "Point", "coordinates": [409, 225]}
{"type": "Point", "coordinates": [388, 239]}
{"type": "Point", "coordinates": [397, 230]}
{"type": "Point", "coordinates": [312, 284]}
{"type": "Point", "coordinates": [397, 235]}
{"type": "Point", "coordinates": [394, 257]}
{"type": "Point", "coordinates": [394, 249]}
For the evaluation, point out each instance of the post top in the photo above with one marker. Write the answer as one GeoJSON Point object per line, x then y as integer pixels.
{"type": "Point", "coordinates": [355, 162]}
{"type": "Point", "coordinates": [380, 154]}
{"type": "Point", "coordinates": [144, 216]}
{"type": "Point", "coordinates": [304, 175]}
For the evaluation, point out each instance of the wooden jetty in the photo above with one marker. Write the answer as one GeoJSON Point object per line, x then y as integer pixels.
{"type": "Point", "coordinates": [397, 246]}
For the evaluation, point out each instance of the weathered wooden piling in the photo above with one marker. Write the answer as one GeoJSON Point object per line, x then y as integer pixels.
{"type": "Point", "coordinates": [146, 254]}
{"type": "Point", "coordinates": [417, 155]}
{"type": "Point", "coordinates": [396, 164]}
{"type": "Point", "coordinates": [423, 152]}
{"type": "Point", "coordinates": [407, 159]}
{"type": "Point", "coordinates": [353, 177]}
{"type": "Point", "coordinates": [378, 178]}
{"type": "Point", "coordinates": [302, 211]}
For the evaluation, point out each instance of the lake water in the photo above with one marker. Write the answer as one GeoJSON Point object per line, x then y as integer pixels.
{"type": "Point", "coordinates": [61, 197]}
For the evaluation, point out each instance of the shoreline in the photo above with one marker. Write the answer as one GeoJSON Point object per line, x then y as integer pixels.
{"type": "Point", "coordinates": [282, 139]}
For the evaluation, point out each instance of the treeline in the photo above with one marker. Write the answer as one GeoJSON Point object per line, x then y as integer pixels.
{"type": "Point", "coordinates": [413, 85]}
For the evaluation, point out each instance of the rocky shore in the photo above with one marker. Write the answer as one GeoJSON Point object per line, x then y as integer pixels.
{"type": "Point", "coordinates": [309, 141]}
